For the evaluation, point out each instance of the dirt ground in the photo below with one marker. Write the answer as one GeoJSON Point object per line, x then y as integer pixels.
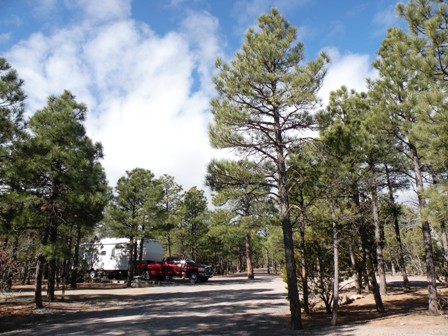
{"type": "Point", "coordinates": [405, 310]}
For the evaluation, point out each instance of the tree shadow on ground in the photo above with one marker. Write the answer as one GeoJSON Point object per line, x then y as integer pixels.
{"type": "Point", "coordinates": [210, 312]}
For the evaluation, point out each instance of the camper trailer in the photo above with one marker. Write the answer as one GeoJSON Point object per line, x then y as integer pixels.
{"type": "Point", "coordinates": [110, 256]}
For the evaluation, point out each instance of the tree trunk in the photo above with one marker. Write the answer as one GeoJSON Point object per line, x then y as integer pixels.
{"type": "Point", "coordinates": [74, 272]}
{"type": "Point", "coordinates": [363, 232]}
{"type": "Point", "coordinates": [401, 261]}
{"type": "Point", "coordinates": [168, 239]}
{"type": "Point", "coordinates": [357, 274]}
{"type": "Point", "coordinates": [375, 288]}
{"type": "Point", "coordinates": [53, 236]}
{"type": "Point", "coordinates": [444, 242]}
{"type": "Point", "coordinates": [51, 279]}
{"type": "Point", "coordinates": [304, 274]}
{"type": "Point", "coordinates": [239, 265]}
{"type": "Point", "coordinates": [444, 239]}
{"type": "Point", "coordinates": [291, 273]}
{"type": "Point", "coordinates": [427, 240]}
{"type": "Point", "coordinates": [334, 315]}
{"type": "Point", "coordinates": [38, 281]}
{"type": "Point", "coordinates": [323, 289]}
{"type": "Point", "coordinates": [379, 244]}
{"type": "Point", "coordinates": [39, 271]}
{"type": "Point", "coordinates": [268, 262]}
{"type": "Point", "coordinates": [371, 273]}
{"type": "Point", "coordinates": [140, 250]}
{"type": "Point", "coordinates": [249, 267]}
{"type": "Point", "coordinates": [132, 255]}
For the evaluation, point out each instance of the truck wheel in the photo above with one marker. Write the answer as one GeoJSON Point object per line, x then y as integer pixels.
{"type": "Point", "coordinates": [92, 274]}
{"type": "Point", "coordinates": [146, 275]}
{"type": "Point", "coordinates": [193, 278]}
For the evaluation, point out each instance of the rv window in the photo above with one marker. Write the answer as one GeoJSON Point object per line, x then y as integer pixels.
{"type": "Point", "coordinates": [103, 253]}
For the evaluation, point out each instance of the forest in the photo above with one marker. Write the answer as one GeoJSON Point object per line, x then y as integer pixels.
{"type": "Point", "coordinates": [355, 189]}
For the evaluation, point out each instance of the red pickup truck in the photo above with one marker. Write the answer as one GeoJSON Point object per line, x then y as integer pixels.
{"type": "Point", "coordinates": [175, 267]}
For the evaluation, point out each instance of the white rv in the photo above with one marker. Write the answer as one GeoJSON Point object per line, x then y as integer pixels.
{"type": "Point", "coordinates": [110, 256]}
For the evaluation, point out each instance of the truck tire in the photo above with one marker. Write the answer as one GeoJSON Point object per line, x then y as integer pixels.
{"type": "Point", "coordinates": [146, 275]}
{"type": "Point", "coordinates": [92, 274]}
{"type": "Point", "coordinates": [193, 278]}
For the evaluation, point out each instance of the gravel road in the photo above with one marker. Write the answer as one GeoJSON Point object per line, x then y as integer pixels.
{"type": "Point", "coordinates": [230, 305]}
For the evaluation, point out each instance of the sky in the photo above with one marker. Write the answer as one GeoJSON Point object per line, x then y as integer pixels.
{"type": "Point", "coordinates": [144, 68]}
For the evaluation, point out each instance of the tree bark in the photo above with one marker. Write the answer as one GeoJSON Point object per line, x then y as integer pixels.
{"type": "Point", "coordinates": [249, 267]}
{"type": "Point", "coordinates": [304, 273]}
{"type": "Point", "coordinates": [444, 241]}
{"type": "Point", "coordinates": [38, 281]}
{"type": "Point", "coordinates": [379, 244]}
{"type": "Point", "coordinates": [357, 272]}
{"type": "Point", "coordinates": [427, 240]}
{"type": "Point", "coordinates": [132, 256]}
{"type": "Point", "coordinates": [372, 276]}
{"type": "Point", "coordinates": [334, 315]}
{"type": "Point", "coordinates": [74, 271]}
{"type": "Point", "coordinates": [401, 261]}
{"type": "Point", "coordinates": [369, 264]}
{"type": "Point", "coordinates": [268, 262]}
{"type": "Point", "coordinates": [140, 250]}
{"type": "Point", "coordinates": [291, 273]}
{"type": "Point", "coordinates": [39, 271]}
{"type": "Point", "coordinates": [51, 279]}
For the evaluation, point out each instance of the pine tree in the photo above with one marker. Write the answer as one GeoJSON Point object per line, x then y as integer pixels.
{"type": "Point", "coordinates": [54, 163]}
{"type": "Point", "coordinates": [134, 211]}
{"type": "Point", "coordinates": [401, 88]}
{"type": "Point", "coordinates": [264, 100]}
{"type": "Point", "coordinates": [12, 99]}
{"type": "Point", "coordinates": [239, 187]}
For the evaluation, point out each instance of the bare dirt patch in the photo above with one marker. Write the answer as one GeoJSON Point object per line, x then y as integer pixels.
{"type": "Point", "coordinates": [403, 308]}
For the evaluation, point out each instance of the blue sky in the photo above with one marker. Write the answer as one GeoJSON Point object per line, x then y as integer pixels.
{"type": "Point", "coordinates": [144, 67]}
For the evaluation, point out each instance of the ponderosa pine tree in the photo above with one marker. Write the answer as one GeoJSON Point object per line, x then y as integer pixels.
{"type": "Point", "coordinates": [348, 171]}
{"type": "Point", "coordinates": [427, 22]}
{"type": "Point", "coordinates": [263, 104]}
{"type": "Point", "coordinates": [51, 162]}
{"type": "Point", "coordinates": [306, 189]}
{"type": "Point", "coordinates": [398, 91]}
{"type": "Point", "coordinates": [427, 54]}
{"type": "Point", "coordinates": [12, 99]}
{"type": "Point", "coordinates": [171, 208]}
{"type": "Point", "coordinates": [193, 227]}
{"type": "Point", "coordinates": [224, 241]}
{"type": "Point", "coordinates": [134, 209]}
{"type": "Point", "coordinates": [239, 187]}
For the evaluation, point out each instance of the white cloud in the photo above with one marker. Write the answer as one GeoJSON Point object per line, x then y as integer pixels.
{"type": "Point", "coordinates": [105, 10]}
{"type": "Point", "coordinates": [139, 87]}
{"type": "Point", "coordinates": [200, 29]}
{"type": "Point", "coordinates": [350, 70]}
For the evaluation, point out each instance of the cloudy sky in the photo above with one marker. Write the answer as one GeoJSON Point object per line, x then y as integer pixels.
{"type": "Point", "coordinates": [144, 67]}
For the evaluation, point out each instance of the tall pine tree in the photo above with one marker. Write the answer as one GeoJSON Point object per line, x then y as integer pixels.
{"type": "Point", "coordinates": [263, 104]}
